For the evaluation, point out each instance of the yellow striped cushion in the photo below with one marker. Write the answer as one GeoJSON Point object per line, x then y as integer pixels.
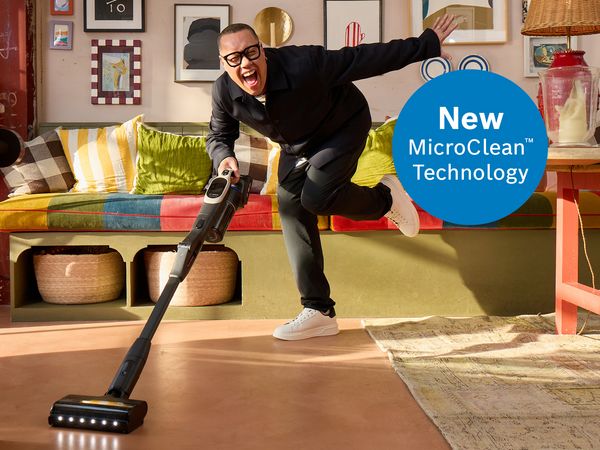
{"type": "Point", "coordinates": [102, 159]}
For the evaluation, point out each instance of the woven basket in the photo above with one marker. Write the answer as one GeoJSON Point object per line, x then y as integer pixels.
{"type": "Point", "coordinates": [72, 279]}
{"type": "Point", "coordinates": [211, 280]}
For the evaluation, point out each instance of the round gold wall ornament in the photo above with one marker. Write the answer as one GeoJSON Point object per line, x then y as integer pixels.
{"type": "Point", "coordinates": [274, 26]}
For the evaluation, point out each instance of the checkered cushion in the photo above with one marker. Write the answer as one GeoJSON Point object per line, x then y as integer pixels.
{"type": "Point", "coordinates": [43, 168]}
{"type": "Point", "coordinates": [252, 154]}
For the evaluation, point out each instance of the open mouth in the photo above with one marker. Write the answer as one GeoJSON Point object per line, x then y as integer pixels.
{"type": "Point", "coordinates": [250, 78]}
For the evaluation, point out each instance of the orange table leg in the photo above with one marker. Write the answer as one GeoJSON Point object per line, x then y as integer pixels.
{"type": "Point", "coordinates": [567, 251]}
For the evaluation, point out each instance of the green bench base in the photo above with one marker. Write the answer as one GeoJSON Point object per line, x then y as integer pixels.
{"type": "Point", "coordinates": [372, 274]}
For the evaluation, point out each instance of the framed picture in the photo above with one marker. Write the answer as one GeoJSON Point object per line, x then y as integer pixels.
{"type": "Point", "coordinates": [116, 72]}
{"type": "Point", "coordinates": [196, 31]}
{"type": "Point", "coordinates": [538, 52]}
{"type": "Point", "coordinates": [113, 15]}
{"type": "Point", "coordinates": [61, 35]}
{"type": "Point", "coordinates": [349, 23]}
{"type": "Point", "coordinates": [479, 21]}
{"type": "Point", "coordinates": [61, 7]}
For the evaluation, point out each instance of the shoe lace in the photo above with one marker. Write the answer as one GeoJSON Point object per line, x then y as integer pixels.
{"type": "Point", "coordinates": [304, 315]}
{"type": "Point", "coordinates": [393, 214]}
{"type": "Point", "coordinates": [396, 217]}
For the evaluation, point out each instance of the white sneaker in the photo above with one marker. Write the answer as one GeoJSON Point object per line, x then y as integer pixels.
{"type": "Point", "coordinates": [403, 213]}
{"type": "Point", "coordinates": [309, 323]}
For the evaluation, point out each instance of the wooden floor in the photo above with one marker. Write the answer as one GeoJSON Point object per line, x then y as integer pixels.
{"type": "Point", "coordinates": [212, 385]}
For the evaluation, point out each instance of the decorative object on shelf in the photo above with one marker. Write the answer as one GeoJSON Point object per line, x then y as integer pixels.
{"type": "Point", "coordinates": [572, 91]}
{"type": "Point", "coordinates": [116, 72]}
{"type": "Point", "coordinates": [434, 67]}
{"type": "Point", "coordinates": [211, 280]}
{"type": "Point", "coordinates": [539, 51]}
{"type": "Point", "coordinates": [79, 275]}
{"type": "Point", "coordinates": [61, 7]}
{"type": "Point", "coordinates": [570, 104]}
{"type": "Point", "coordinates": [349, 23]}
{"type": "Point", "coordinates": [274, 26]}
{"type": "Point", "coordinates": [61, 35]}
{"type": "Point", "coordinates": [196, 31]}
{"type": "Point", "coordinates": [479, 21]}
{"type": "Point", "coordinates": [474, 62]}
{"type": "Point", "coordinates": [113, 15]}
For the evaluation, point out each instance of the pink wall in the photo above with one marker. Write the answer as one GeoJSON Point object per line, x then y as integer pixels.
{"type": "Point", "coordinates": [64, 91]}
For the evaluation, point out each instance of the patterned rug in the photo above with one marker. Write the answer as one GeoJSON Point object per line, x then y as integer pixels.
{"type": "Point", "coordinates": [499, 382]}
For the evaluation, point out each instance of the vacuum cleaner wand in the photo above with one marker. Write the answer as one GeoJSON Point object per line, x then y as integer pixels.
{"type": "Point", "coordinates": [115, 411]}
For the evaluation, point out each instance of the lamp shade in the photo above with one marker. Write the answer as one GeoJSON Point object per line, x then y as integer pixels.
{"type": "Point", "coordinates": [562, 18]}
{"type": "Point", "coordinates": [11, 147]}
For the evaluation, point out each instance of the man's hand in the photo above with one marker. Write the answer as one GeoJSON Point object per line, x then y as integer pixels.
{"type": "Point", "coordinates": [230, 163]}
{"type": "Point", "coordinates": [443, 27]}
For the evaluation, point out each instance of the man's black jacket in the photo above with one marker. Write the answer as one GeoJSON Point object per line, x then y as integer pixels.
{"type": "Point", "coordinates": [312, 109]}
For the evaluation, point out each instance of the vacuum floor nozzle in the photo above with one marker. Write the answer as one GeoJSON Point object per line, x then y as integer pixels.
{"type": "Point", "coordinates": [104, 413]}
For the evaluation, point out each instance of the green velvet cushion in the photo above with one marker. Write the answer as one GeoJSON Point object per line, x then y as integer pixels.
{"type": "Point", "coordinates": [169, 163]}
{"type": "Point", "coordinates": [376, 159]}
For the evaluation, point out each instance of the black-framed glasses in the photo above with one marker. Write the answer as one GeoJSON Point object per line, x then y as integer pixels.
{"type": "Point", "coordinates": [235, 59]}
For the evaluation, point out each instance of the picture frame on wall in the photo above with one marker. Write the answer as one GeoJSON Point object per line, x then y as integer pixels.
{"type": "Point", "coordinates": [60, 35]}
{"type": "Point", "coordinates": [114, 15]}
{"type": "Point", "coordinates": [538, 52]}
{"type": "Point", "coordinates": [349, 23]}
{"type": "Point", "coordinates": [116, 72]}
{"type": "Point", "coordinates": [478, 21]}
{"type": "Point", "coordinates": [61, 7]}
{"type": "Point", "coordinates": [196, 31]}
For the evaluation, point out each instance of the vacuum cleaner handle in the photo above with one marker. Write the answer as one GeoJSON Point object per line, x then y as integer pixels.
{"type": "Point", "coordinates": [221, 201]}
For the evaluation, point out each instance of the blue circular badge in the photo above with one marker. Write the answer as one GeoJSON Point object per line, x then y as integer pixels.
{"type": "Point", "coordinates": [470, 147]}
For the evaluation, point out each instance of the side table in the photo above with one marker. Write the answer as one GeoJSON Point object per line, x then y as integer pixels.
{"type": "Point", "coordinates": [577, 168]}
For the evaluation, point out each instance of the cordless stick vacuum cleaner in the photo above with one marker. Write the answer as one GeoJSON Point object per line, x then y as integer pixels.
{"type": "Point", "coordinates": [114, 411]}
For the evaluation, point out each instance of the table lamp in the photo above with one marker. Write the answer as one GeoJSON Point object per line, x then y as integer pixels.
{"type": "Point", "coordinates": [11, 147]}
{"type": "Point", "coordinates": [568, 91]}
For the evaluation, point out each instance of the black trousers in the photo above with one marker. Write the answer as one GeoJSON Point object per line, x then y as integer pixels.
{"type": "Point", "coordinates": [308, 191]}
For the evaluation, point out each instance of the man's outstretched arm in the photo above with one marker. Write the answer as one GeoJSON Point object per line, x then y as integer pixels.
{"type": "Point", "coordinates": [368, 60]}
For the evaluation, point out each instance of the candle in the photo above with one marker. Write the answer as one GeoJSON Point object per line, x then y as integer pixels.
{"type": "Point", "coordinates": [572, 119]}
{"type": "Point", "coordinates": [272, 32]}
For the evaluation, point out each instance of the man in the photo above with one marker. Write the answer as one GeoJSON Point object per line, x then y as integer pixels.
{"type": "Point", "coordinates": [303, 98]}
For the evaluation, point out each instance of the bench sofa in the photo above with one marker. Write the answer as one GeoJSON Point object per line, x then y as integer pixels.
{"type": "Point", "coordinates": [502, 268]}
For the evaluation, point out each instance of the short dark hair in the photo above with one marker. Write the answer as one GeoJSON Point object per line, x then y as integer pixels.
{"type": "Point", "coordinates": [234, 28]}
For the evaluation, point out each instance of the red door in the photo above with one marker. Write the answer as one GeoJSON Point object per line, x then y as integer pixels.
{"type": "Point", "coordinates": [17, 91]}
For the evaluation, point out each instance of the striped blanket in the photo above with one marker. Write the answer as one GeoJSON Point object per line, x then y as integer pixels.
{"type": "Point", "coordinates": [127, 212]}
{"type": "Point", "coordinates": [538, 212]}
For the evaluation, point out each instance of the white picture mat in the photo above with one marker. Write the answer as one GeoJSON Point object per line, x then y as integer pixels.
{"type": "Point", "coordinates": [529, 69]}
{"type": "Point", "coordinates": [497, 35]}
{"type": "Point", "coordinates": [136, 23]}
{"type": "Point", "coordinates": [220, 12]}
{"type": "Point", "coordinates": [339, 14]}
